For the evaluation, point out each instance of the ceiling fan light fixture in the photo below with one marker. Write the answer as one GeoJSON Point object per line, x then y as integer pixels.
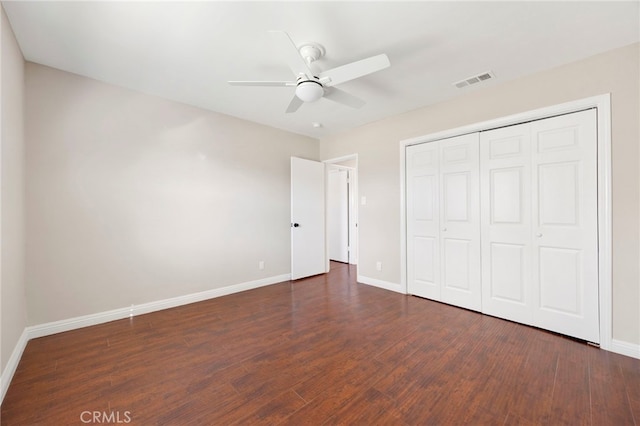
{"type": "Point", "coordinates": [310, 85]}
{"type": "Point", "coordinates": [309, 91]}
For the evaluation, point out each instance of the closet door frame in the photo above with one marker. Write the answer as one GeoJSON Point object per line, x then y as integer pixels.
{"type": "Point", "coordinates": [602, 103]}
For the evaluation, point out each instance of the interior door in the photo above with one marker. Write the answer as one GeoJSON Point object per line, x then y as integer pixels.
{"type": "Point", "coordinates": [565, 240]}
{"type": "Point", "coordinates": [307, 218]}
{"type": "Point", "coordinates": [338, 215]}
{"type": "Point", "coordinates": [460, 221]}
{"type": "Point", "coordinates": [505, 191]}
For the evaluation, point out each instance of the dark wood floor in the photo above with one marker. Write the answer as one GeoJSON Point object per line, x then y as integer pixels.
{"type": "Point", "coordinates": [324, 350]}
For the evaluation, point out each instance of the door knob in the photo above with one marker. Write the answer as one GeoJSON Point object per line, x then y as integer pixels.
{"type": "Point", "coordinates": [539, 234]}
{"type": "Point", "coordinates": [295, 225]}
{"type": "Point", "coordinates": [444, 229]}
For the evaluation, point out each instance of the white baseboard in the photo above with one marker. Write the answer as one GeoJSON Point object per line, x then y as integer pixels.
{"type": "Point", "coordinates": [12, 364]}
{"type": "Point", "coordinates": [49, 328]}
{"type": "Point", "coordinates": [382, 284]}
{"type": "Point", "coordinates": [145, 308]}
{"type": "Point", "coordinates": [625, 348]}
{"type": "Point", "coordinates": [54, 327]}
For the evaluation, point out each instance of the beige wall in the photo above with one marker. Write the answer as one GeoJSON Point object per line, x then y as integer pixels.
{"type": "Point", "coordinates": [13, 308]}
{"type": "Point", "coordinates": [377, 145]}
{"type": "Point", "coordinates": [133, 199]}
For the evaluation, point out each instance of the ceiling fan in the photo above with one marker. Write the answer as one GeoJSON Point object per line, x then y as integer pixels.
{"type": "Point", "coordinates": [311, 86]}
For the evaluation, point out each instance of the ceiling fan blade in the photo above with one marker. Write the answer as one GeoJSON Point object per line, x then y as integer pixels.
{"type": "Point", "coordinates": [344, 98]}
{"type": "Point", "coordinates": [263, 83]}
{"type": "Point", "coordinates": [290, 54]}
{"type": "Point", "coordinates": [295, 103]}
{"type": "Point", "coordinates": [354, 70]}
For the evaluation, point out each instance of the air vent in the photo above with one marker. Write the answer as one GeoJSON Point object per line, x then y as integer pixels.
{"type": "Point", "coordinates": [474, 79]}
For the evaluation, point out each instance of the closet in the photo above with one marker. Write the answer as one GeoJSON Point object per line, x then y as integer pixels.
{"type": "Point", "coordinates": [504, 222]}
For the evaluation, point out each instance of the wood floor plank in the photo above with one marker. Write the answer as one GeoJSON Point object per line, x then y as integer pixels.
{"type": "Point", "coordinates": [275, 411]}
{"type": "Point", "coordinates": [322, 350]}
{"type": "Point", "coordinates": [572, 389]}
{"type": "Point", "coordinates": [609, 400]}
{"type": "Point", "coordinates": [330, 401]}
{"type": "Point", "coordinates": [630, 369]}
{"type": "Point", "coordinates": [368, 408]}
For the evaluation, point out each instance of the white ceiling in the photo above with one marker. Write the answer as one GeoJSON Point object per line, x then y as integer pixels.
{"type": "Point", "coordinates": [186, 51]}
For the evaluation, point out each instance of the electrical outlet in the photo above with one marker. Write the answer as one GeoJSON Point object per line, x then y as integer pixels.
{"type": "Point", "coordinates": [379, 265]}
{"type": "Point", "coordinates": [261, 265]}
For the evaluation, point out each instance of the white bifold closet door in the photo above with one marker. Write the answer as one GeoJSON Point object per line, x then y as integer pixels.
{"type": "Point", "coordinates": [539, 224]}
{"type": "Point", "coordinates": [443, 221]}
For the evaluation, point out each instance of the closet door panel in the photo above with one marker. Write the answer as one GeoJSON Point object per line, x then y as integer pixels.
{"type": "Point", "coordinates": [505, 185]}
{"type": "Point", "coordinates": [457, 263]}
{"type": "Point", "coordinates": [507, 265]}
{"type": "Point", "coordinates": [565, 241]}
{"type": "Point", "coordinates": [460, 222]}
{"type": "Point", "coordinates": [424, 270]}
{"type": "Point", "coordinates": [423, 251]}
{"type": "Point", "coordinates": [505, 175]}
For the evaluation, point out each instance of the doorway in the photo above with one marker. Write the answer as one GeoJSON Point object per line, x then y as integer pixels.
{"type": "Point", "coordinates": [342, 210]}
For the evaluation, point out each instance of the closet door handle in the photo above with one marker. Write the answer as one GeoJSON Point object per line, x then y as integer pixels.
{"type": "Point", "coordinates": [444, 229]}
{"type": "Point", "coordinates": [539, 234]}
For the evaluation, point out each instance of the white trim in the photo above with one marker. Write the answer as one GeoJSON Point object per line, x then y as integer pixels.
{"type": "Point", "coordinates": [625, 348]}
{"type": "Point", "coordinates": [605, 286]}
{"type": "Point", "coordinates": [145, 308]}
{"type": "Point", "coordinates": [603, 105]}
{"type": "Point", "coordinates": [381, 284]}
{"type": "Point", "coordinates": [403, 218]}
{"type": "Point", "coordinates": [342, 159]}
{"type": "Point", "coordinates": [600, 101]}
{"type": "Point", "coordinates": [12, 364]}
{"type": "Point", "coordinates": [74, 323]}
